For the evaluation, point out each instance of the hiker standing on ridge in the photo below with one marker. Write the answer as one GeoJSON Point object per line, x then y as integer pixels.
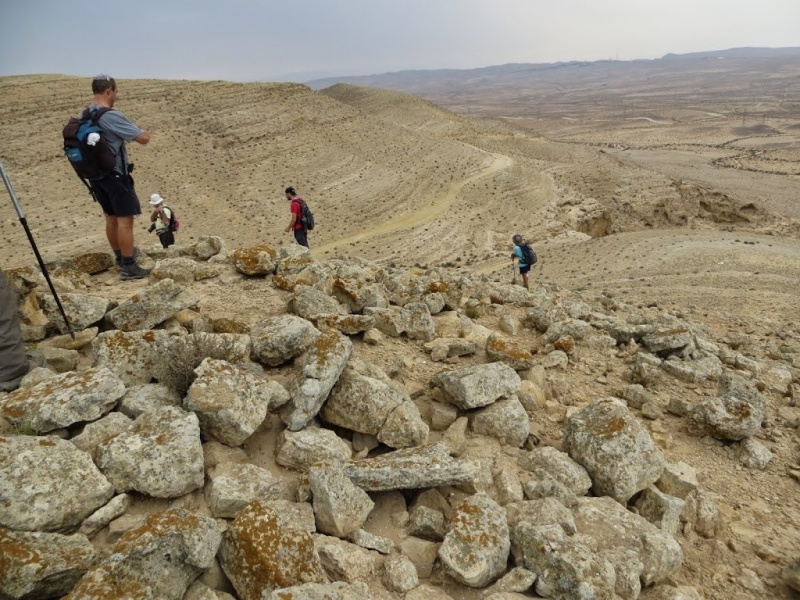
{"type": "Point", "coordinates": [296, 225]}
{"type": "Point", "coordinates": [160, 220]}
{"type": "Point", "coordinates": [525, 255]}
{"type": "Point", "coordinates": [114, 191]}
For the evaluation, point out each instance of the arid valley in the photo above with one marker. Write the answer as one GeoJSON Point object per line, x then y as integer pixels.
{"type": "Point", "coordinates": [669, 188]}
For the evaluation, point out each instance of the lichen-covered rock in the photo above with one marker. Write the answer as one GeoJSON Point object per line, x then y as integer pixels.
{"type": "Point", "coordinates": [338, 590]}
{"type": "Point", "coordinates": [233, 486]}
{"type": "Point", "coordinates": [499, 348]}
{"type": "Point", "coordinates": [559, 466]}
{"type": "Point", "coordinates": [613, 447]}
{"type": "Point", "coordinates": [410, 468]}
{"type": "Point", "coordinates": [151, 306]}
{"type": "Point", "coordinates": [260, 555]}
{"type": "Point", "coordinates": [47, 484]}
{"type": "Point", "coordinates": [141, 398]}
{"type": "Point", "coordinates": [476, 564]}
{"type": "Point", "coordinates": [133, 356]}
{"type": "Point", "coordinates": [367, 400]}
{"type": "Point", "coordinates": [300, 450]}
{"type": "Point", "coordinates": [101, 431]}
{"type": "Point", "coordinates": [476, 386]}
{"type": "Point", "coordinates": [159, 455]}
{"type": "Point", "coordinates": [734, 414]}
{"type": "Point", "coordinates": [322, 366]}
{"type": "Point", "coordinates": [42, 565]}
{"type": "Point", "coordinates": [158, 559]}
{"type": "Point", "coordinates": [505, 420]}
{"type": "Point", "coordinates": [339, 506]}
{"type": "Point", "coordinates": [565, 568]}
{"type": "Point", "coordinates": [418, 321]}
{"type": "Point", "coordinates": [309, 303]}
{"type": "Point", "coordinates": [63, 400]}
{"type": "Point", "coordinates": [81, 310]}
{"type": "Point", "coordinates": [399, 574]}
{"type": "Point", "coordinates": [230, 403]}
{"type": "Point", "coordinates": [344, 561]}
{"type": "Point", "coordinates": [255, 260]}
{"type": "Point", "coordinates": [277, 340]}
{"type": "Point", "coordinates": [614, 527]}
{"type": "Point", "coordinates": [180, 270]}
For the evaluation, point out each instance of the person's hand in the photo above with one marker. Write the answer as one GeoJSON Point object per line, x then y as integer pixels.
{"type": "Point", "coordinates": [287, 229]}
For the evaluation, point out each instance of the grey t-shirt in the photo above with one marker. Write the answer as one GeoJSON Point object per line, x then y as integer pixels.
{"type": "Point", "coordinates": [118, 130]}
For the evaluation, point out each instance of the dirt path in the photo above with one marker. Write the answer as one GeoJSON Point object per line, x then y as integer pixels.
{"type": "Point", "coordinates": [423, 215]}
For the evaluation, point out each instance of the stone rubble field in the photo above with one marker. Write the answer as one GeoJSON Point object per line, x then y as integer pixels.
{"type": "Point", "coordinates": [259, 423]}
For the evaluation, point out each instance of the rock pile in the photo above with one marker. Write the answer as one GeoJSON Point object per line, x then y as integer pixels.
{"type": "Point", "coordinates": [377, 485]}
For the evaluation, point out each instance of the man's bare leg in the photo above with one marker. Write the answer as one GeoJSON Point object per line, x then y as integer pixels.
{"type": "Point", "coordinates": [111, 233]}
{"type": "Point", "coordinates": [124, 236]}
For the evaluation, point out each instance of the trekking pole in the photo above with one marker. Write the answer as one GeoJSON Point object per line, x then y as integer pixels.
{"type": "Point", "coordinates": [513, 272]}
{"type": "Point", "coordinates": [24, 222]}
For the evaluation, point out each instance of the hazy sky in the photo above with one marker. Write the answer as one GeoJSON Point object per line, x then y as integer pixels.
{"type": "Point", "coordinates": [301, 39]}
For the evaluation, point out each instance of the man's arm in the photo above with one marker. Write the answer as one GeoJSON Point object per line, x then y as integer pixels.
{"type": "Point", "coordinates": [142, 138]}
{"type": "Point", "coordinates": [291, 224]}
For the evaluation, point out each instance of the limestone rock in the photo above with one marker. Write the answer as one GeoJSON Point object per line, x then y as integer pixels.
{"type": "Point", "coordinates": [82, 311]}
{"type": "Point", "coordinates": [309, 303]}
{"type": "Point", "coordinates": [614, 527]}
{"type": "Point", "coordinates": [618, 453]}
{"type": "Point", "coordinates": [259, 555]}
{"type": "Point", "coordinates": [152, 306]}
{"type": "Point", "coordinates": [101, 431]}
{"type": "Point", "coordinates": [233, 486]}
{"type": "Point", "coordinates": [230, 403]}
{"type": "Point", "coordinates": [42, 565]}
{"type": "Point", "coordinates": [322, 366]}
{"type": "Point", "coordinates": [141, 398]}
{"type": "Point", "coordinates": [734, 414]}
{"type": "Point", "coordinates": [399, 574]}
{"type": "Point", "coordinates": [300, 450]}
{"type": "Point", "coordinates": [476, 565]}
{"type": "Point", "coordinates": [277, 340]}
{"type": "Point", "coordinates": [476, 386]}
{"type": "Point", "coordinates": [63, 400]}
{"type": "Point", "coordinates": [131, 356]}
{"type": "Point", "coordinates": [159, 455]}
{"type": "Point", "coordinates": [339, 506]}
{"type": "Point", "coordinates": [559, 466]}
{"type": "Point", "coordinates": [499, 348]}
{"type": "Point", "coordinates": [505, 420]}
{"type": "Point", "coordinates": [410, 468]}
{"type": "Point", "coordinates": [47, 484]}
{"type": "Point", "coordinates": [255, 260]}
{"type": "Point", "coordinates": [105, 514]}
{"type": "Point", "coordinates": [159, 559]}
{"type": "Point", "coordinates": [344, 561]}
{"type": "Point", "coordinates": [323, 591]}
{"type": "Point", "coordinates": [367, 400]}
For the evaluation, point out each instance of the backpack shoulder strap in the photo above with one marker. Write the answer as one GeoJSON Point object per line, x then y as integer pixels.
{"type": "Point", "coordinates": [95, 114]}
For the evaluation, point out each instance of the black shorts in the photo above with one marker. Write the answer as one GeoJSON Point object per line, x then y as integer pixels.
{"type": "Point", "coordinates": [116, 195]}
{"type": "Point", "coordinates": [524, 269]}
{"type": "Point", "coordinates": [300, 237]}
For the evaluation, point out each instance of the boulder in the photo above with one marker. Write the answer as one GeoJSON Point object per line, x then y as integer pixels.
{"type": "Point", "coordinates": [505, 420]}
{"type": "Point", "coordinates": [158, 559]}
{"type": "Point", "coordinates": [476, 386]}
{"type": "Point", "coordinates": [141, 398]}
{"type": "Point", "coordinates": [101, 431]}
{"type": "Point", "coordinates": [159, 455]}
{"type": "Point", "coordinates": [476, 564]}
{"type": "Point", "coordinates": [230, 403]}
{"type": "Point", "coordinates": [260, 555]}
{"type": "Point", "coordinates": [411, 468]}
{"type": "Point", "coordinates": [734, 414]}
{"type": "Point", "coordinates": [309, 303]}
{"type": "Point", "coordinates": [82, 310]}
{"type": "Point", "coordinates": [339, 506]}
{"type": "Point", "coordinates": [151, 306]}
{"type": "Point", "coordinates": [233, 486]}
{"type": "Point", "coordinates": [499, 348]}
{"type": "Point", "coordinates": [47, 484]}
{"type": "Point", "coordinates": [300, 450]}
{"type": "Point", "coordinates": [255, 260]}
{"type": "Point", "coordinates": [277, 340]}
{"type": "Point", "coordinates": [131, 356]}
{"type": "Point", "coordinates": [63, 400]}
{"type": "Point", "coordinates": [42, 565]}
{"type": "Point", "coordinates": [321, 368]}
{"type": "Point", "coordinates": [613, 447]}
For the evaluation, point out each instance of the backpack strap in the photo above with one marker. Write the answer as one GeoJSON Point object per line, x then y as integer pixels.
{"type": "Point", "coordinates": [171, 223]}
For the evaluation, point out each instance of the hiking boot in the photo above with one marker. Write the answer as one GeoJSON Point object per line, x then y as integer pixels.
{"type": "Point", "coordinates": [133, 271]}
{"type": "Point", "coordinates": [135, 256]}
{"type": "Point", "coordinates": [525, 285]}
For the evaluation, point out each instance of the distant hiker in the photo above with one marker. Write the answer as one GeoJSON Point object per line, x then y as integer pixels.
{"type": "Point", "coordinates": [114, 190]}
{"type": "Point", "coordinates": [14, 362]}
{"type": "Point", "coordinates": [162, 221]}
{"type": "Point", "coordinates": [297, 225]}
{"type": "Point", "coordinates": [524, 253]}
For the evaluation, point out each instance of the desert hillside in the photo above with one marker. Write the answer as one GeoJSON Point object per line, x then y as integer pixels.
{"type": "Point", "coordinates": [669, 266]}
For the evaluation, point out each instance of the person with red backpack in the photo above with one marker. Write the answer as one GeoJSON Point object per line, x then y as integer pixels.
{"type": "Point", "coordinates": [300, 223]}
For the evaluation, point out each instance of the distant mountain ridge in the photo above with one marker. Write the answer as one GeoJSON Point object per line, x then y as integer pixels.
{"type": "Point", "coordinates": [407, 80]}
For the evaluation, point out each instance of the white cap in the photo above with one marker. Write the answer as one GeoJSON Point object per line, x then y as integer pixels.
{"type": "Point", "coordinates": [156, 199]}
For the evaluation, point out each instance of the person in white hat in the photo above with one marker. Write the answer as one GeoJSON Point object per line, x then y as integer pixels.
{"type": "Point", "coordinates": [160, 220]}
